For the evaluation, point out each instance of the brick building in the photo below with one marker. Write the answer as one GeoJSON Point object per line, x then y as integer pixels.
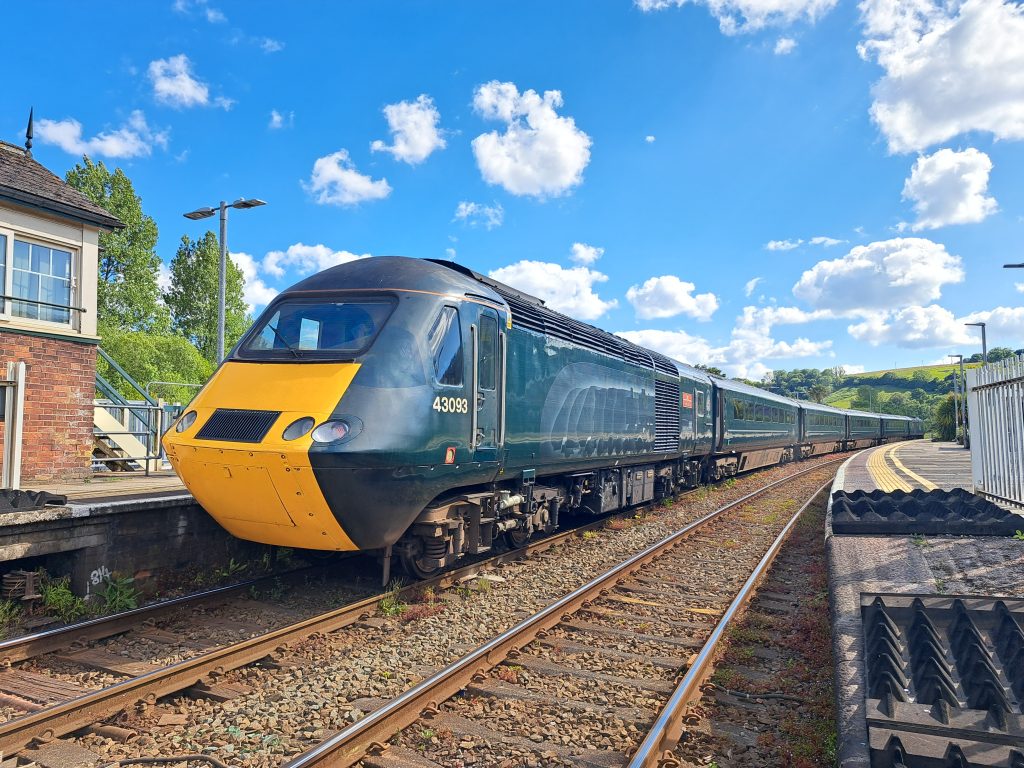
{"type": "Point", "coordinates": [49, 250]}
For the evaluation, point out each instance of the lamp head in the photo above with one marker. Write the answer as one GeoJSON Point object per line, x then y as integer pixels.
{"type": "Point", "coordinates": [252, 203]}
{"type": "Point", "coordinates": [200, 213]}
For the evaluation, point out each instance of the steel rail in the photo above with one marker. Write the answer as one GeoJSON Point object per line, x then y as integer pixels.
{"type": "Point", "coordinates": [49, 640]}
{"type": "Point", "coordinates": [52, 722]}
{"type": "Point", "coordinates": [372, 732]}
{"type": "Point", "coordinates": [655, 750]}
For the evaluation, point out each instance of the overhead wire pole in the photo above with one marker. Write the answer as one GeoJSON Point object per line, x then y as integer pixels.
{"type": "Point", "coordinates": [222, 289]}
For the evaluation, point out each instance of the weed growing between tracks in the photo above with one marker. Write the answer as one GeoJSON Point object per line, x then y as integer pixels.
{"type": "Point", "coordinates": [775, 676]}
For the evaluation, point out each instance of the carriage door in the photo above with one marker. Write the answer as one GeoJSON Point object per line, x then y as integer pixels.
{"type": "Point", "coordinates": [488, 354]}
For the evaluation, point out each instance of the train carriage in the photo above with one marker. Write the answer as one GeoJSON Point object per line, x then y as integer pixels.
{"type": "Point", "coordinates": [822, 429]}
{"type": "Point", "coordinates": [756, 428]}
{"type": "Point", "coordinates": [863, 429]}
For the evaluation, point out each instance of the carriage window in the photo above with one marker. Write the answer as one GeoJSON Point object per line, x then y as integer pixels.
{"type": "Point", "coordinates": [445, 340]}
{"type": "Point", "coordinates": [700, 403]}
{"type": "Point", "coordinates": [488, 351]}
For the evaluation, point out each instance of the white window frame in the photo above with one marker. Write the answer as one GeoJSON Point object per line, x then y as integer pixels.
{"type": "Point", "coordinates": [73, 322]}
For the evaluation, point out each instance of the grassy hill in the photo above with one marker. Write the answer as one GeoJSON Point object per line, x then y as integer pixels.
{"type": "Point", "coordinates": [923, 382]}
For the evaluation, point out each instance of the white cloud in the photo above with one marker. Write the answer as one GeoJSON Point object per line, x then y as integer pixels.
{"type": "Point", "coordinates": [414, 131]}
{"type": "Point", "coordinates": [133, 139]}
{"type": "Point", "coordinates": [935, 326]}
{"type": "Point", "coordinates": [581, 253]}
{"type": "Point", "coordinates": [490, 216]}
{"type": "Point", "coordinates": [256, 293]}
{"type": "Point", "coordinates": [783, 245]}
{"type": "Point", "coordinates": [852, 369]}
{"type": "Point", "coordinates": [280, 120]}
{"type": "Point", "coordinates": [761, 320]}
{"type": "Point", "coordinates": [450, 253]}
{"type": "Point", "coordinates": [949, 188]}
{"type": "Point", "coordinates": [1019, 287]}
{"type": "Point", "coordinates": [211, 14]}
{"type": "Point", "coordinates": [541, 153]}
{"type": "Point", "coordinates": [881, 275]}
{"type": "Point", "coordinates": [751, 285]}
{"type": "Point", "coordinates": [949, 68]}
{"type": "Point", "coordinates": [305, 259]}
{"type": "Point", "coordinates": [163, 277]}
{"type": "Point", "coordinates": [828, 242]}
{"type": "Point", "coordinates": [270, 45]}
{"type": "Point", "coordinates": [738, 16]}
{"type": "Point", "coordinates": [668, 296]}
{"type": "Point", "coordinates": [569, 290]}
{"type": "Point", "coordinates": [214, 15]}
{"type": "Point", "coordinates": [785, 46]}
{"type": "Point", "coordinates": [650, 139]}
{"type": "Point", "coordinates": [335, 181]}
{"type": "Point", "coordinates": [175, 85]}
{"type": "Point", "coordinates": [679, 345]}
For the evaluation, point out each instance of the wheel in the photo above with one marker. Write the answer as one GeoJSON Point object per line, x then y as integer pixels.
{"type": "Point", "coordinates": [419, 560]}
{"type": "Point", "coordinates": [517, 538]}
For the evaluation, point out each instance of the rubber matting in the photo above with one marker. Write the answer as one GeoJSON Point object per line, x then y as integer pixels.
{"type": "Point", "coordinates": [956, 512]}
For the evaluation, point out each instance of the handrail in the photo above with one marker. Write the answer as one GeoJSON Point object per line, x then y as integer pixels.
{"type": "Point", "coordinates": [127, 377]}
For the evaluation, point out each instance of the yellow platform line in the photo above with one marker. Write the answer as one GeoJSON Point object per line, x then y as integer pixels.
{"type": "Point", "coordinates": [885, 478]}
{"type": "Point", "coordinates": [928, 485]}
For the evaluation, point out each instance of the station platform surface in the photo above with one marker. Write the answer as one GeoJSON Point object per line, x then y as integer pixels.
{"type": "Point", "coordinates": [115, 486]}
{"type": "Point", "coordinates": [910, 465]}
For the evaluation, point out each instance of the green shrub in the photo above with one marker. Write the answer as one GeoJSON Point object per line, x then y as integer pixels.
{"type": "Point", "coordinates": [60, 601]}
{"type": "Point", "coordinates": [119, 594]}
{"type": "Point", "coordinates": [10, 613]}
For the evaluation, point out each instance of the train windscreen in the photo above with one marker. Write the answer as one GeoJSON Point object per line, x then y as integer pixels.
{"type": "Point", "coordinates": [316, 328]}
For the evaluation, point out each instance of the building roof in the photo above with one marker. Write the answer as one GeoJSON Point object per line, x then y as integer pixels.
{"type": "Point", "coordinates": [26, 182]}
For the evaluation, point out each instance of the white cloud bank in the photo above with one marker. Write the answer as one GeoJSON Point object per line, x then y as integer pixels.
{"type": "Point", "coordinates": [335, 181]}
{"type": "Point", "coordinates": [414, 132]}
{"type": "Point", "coordinates": [785, 46]}
{"type": "Point", "coordinates": [305, 259]}
{"type": "Point", "coordinates": [256, 293]}
{"type": "Point", "coordinates": [540, 153]}
{"type": "Point", "coordinates": [949, 188]}
{"type": "Point", "coordinates": [881, 275]}
{"type": "Point", "coordinates": [738, 16]}
{"type": "Point", "coordinates": [949, 68]}
{"type": "Point", "coordinates": [668, 296]}
{"type": "Point", "coordinates": [920, 327]}
{"type": "Point", "coordinates": [581, 253]}
{"type": "Point", "coordinates": [133, 139]}
{"type": "Point", "coordinates": [569, 290]}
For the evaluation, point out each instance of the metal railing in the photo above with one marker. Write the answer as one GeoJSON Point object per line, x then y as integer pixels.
{"type": "Point", "coordinates": [995, 407]}
{"type": "Point", "coordinates": [13, 419]}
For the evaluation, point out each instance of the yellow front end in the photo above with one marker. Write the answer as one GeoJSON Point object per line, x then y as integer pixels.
{"type": "Point", "coordinates": [264, 491]}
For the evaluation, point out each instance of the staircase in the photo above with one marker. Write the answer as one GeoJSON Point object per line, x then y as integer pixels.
{"type": "Point", "coordinates": [127, 431]}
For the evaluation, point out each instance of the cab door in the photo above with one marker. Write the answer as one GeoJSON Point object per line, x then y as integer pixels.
{"type": "Point", "coordinates": [487, 385]}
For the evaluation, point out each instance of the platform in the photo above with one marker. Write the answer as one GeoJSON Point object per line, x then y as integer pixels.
{"type": "Point", "coordinates": [916, 464]}
{"type": "Point", "coordinates": [115, 486]}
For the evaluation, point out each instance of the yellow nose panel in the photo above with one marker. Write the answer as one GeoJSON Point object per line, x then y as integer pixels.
{"type": "Point", "coordinates": [264, 492]}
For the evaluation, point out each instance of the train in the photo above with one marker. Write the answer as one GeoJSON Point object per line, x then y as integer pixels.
{"type": "Point", "coordinates": [417, 408]}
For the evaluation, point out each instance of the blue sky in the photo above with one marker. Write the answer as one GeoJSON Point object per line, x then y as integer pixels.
{"type": "Point", "coordinates": [755, 184]}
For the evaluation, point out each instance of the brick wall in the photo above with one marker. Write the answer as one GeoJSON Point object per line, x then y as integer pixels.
{"type": "Point", "coordinates": [60, 382]}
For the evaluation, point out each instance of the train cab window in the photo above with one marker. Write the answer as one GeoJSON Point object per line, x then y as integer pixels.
{"type": "Point", "coordinates": [488, 352]}
{"type": "Point", "coordinates": [297, 327]}
{"type": "Point", "coordinates": [445, 340]}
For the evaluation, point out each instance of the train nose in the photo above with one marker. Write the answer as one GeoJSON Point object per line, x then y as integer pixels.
{"type": "Point", "coordinates": [245, 458]}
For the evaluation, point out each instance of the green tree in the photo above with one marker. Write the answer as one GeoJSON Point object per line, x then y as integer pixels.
{"type": "Point", "coordinates": [818, 392]}
{"type": "Point", "coordinates": [149, 357]}
{"type": "Point", "coordinates": [128, 265]}
{"type": "Point", "coordinates": [944, 418]}
{"type": "Point", "coordinates": [713, 370]}
{"type": "Point", "coordinates": [192, 297]}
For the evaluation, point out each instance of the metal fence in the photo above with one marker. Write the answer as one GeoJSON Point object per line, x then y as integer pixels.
{"type": "Point", "coordinates": [995, 409]}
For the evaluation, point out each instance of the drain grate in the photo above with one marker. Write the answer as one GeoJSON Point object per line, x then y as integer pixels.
{"type": "Point", "coordinates": [957, 512]}
{"type": "Point", "coordinates": [945, 680]}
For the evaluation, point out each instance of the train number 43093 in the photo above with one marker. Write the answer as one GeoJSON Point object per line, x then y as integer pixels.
{"type": "Point", "coordinates": [451, 405]}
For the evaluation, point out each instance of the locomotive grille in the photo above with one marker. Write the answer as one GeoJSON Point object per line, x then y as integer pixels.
{"type": "Point", "coordinates": [238, 426]}
{"type": "Point", "coordinates": [666, 416]}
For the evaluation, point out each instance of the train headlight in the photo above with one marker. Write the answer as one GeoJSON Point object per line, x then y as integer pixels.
{"type": "Point", "coordinates": [331, 431]}
{"type": "Point", "coordinates": [298, 428]}
{"type": "Point", "coordinates": [186, 421]}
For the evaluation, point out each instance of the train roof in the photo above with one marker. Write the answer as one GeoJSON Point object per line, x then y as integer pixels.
{"type": "Point", "coordinates": [810, 405]}
{"type": "Point", "coordinates": [689, 372]}
{"type": "Point", "coordinates": [732, 385]}
{"type": "Point", "coordinates": [398, 273]}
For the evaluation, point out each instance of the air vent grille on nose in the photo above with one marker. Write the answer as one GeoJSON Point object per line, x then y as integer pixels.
{"type": "Point", "coordinates": [238, 426]}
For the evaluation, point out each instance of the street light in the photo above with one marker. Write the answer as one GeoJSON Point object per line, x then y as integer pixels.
{"type": "Point", "coordinates": [205, 213]}
{"type": "Point", "coordinates": [959, 407]}
{"type": "Point", "coordinates": [984, 346]}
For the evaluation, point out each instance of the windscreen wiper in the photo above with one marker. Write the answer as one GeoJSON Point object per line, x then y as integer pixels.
{"type": "Point", "coordinates": [284, 341]}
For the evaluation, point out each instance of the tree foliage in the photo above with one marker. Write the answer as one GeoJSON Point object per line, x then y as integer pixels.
{"type": "Point", "coordinates": [943, 419]}
{"type": "Point", "coordinates": [192, 297]}
{"type": "Point", "coordinates": [149, 357]}
{"type": "Point", "coordinates": [128, 265]}
{"type": "Point", "coordinates": [994, 355]}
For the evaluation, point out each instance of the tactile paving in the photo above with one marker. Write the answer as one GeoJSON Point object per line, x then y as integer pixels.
{"type": "Point", "coordinates": [945, 681]}
{"type": "Point", "coordinates": [956, 512]}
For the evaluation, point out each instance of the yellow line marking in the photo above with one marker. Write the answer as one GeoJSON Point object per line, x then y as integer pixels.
{"type": "Point", "coordinates": [928, 485]}
{"type": "Point", "coordinates": [885, 478]}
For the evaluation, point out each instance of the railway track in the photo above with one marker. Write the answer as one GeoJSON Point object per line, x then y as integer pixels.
{"type": "Point", "coordinates": [581, 681]}
{"type": "Point", "coordinates": [200, 674]}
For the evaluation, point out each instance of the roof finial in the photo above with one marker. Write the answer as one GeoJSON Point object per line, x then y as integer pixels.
{"type": "Point", "coordinates": [28, 133]}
